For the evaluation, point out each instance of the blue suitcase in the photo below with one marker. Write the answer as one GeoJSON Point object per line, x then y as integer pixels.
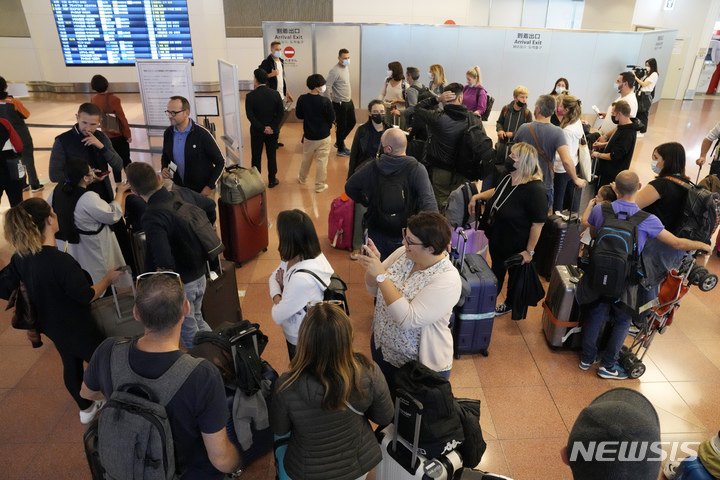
{"type": "Point", "coordinates": [473, 321]}
{"type": "Point", "coordinates": [692, 469]}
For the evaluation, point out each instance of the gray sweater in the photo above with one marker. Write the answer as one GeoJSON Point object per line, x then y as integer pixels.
{"type": "Point", "coordinates": [338, 84]}
{"type": "Point", "coordinates": [337, 445]}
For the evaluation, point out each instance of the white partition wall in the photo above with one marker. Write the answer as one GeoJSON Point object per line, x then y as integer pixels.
{"type": "Point", "coordinates": [507, 57]}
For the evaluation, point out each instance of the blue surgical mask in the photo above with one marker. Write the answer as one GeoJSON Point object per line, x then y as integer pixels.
{"type": "Point", "coordinates": [277, 54]}
{"type": "Point", "coordinates": [617, 87]}
{"type": "Point", "coordinates": [654, 167]}
{"type": "Point", "coordinates": [430, 75]}
{"type": "Point", "coordinates": [389, 73]}
{"type": "Point", "coordinates": [346, 62]}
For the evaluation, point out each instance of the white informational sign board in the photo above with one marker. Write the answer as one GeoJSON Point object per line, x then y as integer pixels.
{"type": "Point", "coordinates": [230, 100]}
{"type": "Point", "coordinates": [18, 90]}
{"type": "Point", "coordinates": [159, 80]}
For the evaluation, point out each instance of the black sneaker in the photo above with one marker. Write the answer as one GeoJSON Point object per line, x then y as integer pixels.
{"type": "Point", "coordinates": [273, 183]}
{"type": "Point", "coordinates": [39, 188]}
{"type": "Point", "coordinates": [343, 153]}
{"type": "Point", "coordinates": [280, 144]}
{"type": "Point", "coordinates": [502, 309]}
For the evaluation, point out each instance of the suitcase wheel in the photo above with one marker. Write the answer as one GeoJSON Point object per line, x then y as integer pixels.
{"type": "Point", "coordinates": [457, 356]}
{"type": "Point", "coordinates": [638, 368]}
{"type": "Point", "coordinates": [265, 249]}
{"type": "Point", "coordinates": [484, 352]}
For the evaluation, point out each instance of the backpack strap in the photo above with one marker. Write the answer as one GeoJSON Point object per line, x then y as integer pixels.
{"type": "Point", "coordinates": [542, 152]}
{"type": "Point", "coordinates": [466, 201]}
{"type": "Point", "coordinates": [164, 388]}
{"type": "Point", "coordinates": [325, 287]}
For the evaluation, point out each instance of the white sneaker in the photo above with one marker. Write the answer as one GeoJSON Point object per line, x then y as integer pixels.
{"type": "Point", "coordinates": [88, 416]}
{"type": "Point", "coordinates": [321, 189]}
{"type": "Point", "coordinates": [640, 135]}
{"type": "Point", "coordinates": [301, 182]}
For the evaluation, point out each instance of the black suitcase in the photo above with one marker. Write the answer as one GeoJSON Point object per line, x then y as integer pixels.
{"type": "Point", "coordinates": [138, 241]}
{"type": "Point", "coordinates": [559, 244]}
{"type": "Point", "coordinates": [471, 474]}
{"type": "Point", "coordinates": [561, 312]}
{"type": "Point", "coordinates": [473, 321]}
{"type": "Point", "coordinates": [401, 459]}
{"type": "Point", "coordinates": [221, 302]}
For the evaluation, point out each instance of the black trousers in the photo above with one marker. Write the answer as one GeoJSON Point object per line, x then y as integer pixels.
{"type": "Point", "coordinates": [643, 117]}
{"type": "Point", "coordinates": [73, 352]}
{"type": "Point", "coordinates": [257, 140]}
{"type": "Point", "coordinates": [344, 120]}
{"type": "Point", "coordinates": [122, 147]}
{"type": "Point", "coordinates": [498, 255]}
{"type": "Point", "coordinates": [13, 188]}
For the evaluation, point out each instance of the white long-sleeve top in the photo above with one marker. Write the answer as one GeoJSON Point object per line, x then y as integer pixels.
{"type": "Point", "coordinates": [299, 289]}
{"type": "Point", "coordinates": [415, 327]}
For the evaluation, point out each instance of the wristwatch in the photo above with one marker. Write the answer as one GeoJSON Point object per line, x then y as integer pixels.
{"type": "Point", "coordinates": [381, 278]}
{"type": "Point", "coordinates": [531, 252]}
{"type": "Point", "coordinates": [237, 473]}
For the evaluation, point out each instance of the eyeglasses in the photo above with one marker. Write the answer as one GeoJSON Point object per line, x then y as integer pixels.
{"type": "Point", "coordinates": [404, 236]}
{"type": "Point", "coordinates": [146, 275]}
{"type": "Point", "coordinates": [337, 303]}
{"type": "Point", "coordinates": [171, 113]}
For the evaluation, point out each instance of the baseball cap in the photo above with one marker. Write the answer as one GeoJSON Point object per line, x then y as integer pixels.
{"type": "Point", "coordinates": [612, 438]}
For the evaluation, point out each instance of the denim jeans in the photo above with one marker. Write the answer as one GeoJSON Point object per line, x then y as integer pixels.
{"type": "Point", "coordinates": [194, 322]}
{"type": "Point", "coordinates": [596, 315]}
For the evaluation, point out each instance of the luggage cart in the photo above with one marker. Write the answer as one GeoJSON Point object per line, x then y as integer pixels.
{"type": "Point", "coordinates": [672, 291]}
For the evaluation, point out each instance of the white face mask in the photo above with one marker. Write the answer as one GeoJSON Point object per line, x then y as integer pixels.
{"type": "Point", "coordinates": [559, 90]}
{"type": "Point", "coordinates": [654, 167]}
{"type": "Point", "coordinates": [346, 62]}
{"type": "Point", "coordinates": [390, 73]}
{"type": "Point", "coordinates": [617, 87]}
{"type": "Point", "coordinates": [430, 75]}
{"type": "Point", "coordinates": [322, 89]}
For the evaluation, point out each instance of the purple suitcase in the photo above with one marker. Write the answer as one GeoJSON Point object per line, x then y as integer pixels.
{"type": "Point", "coordinates": [473, 321]}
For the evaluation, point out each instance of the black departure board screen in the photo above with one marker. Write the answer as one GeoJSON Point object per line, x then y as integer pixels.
{"type": "Point", "coordinates": [117, 32]}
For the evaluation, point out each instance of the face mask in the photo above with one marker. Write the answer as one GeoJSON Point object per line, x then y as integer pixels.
{"type": "Point", "coordinates": [277, 54]}
{"type": "Point", "coordinates": [430, 75]}
{"type": "Point", "coordinates": [510, 164]}
{"type": "Point", "coordinates": [521, 104]}
{"type": "Point", "coordinates": [377, 118]}
{"type": "Point", "coordinates": [614, 120]}
{"type": "Point", "coordinates": [322, 89]}
{"type": "Point", "coordinates": [559, 112]}
{"type": "Point", "coordinates": [617, 87]}
{"type": "Point", "coordinates": [346, 62]}
{"type": "Point", "coordinates": [390, 73]}
{"type": "Point", "coordinates": [654, 167]}
{"type": "Point", "coordinates": [559, 90]}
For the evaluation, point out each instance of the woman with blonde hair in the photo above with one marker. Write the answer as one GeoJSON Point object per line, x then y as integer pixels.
{"type": "Point", "coordinates": [59, 291]}
{"type": "Point", "coordinates": [474, 95]}
{"type": "Point", "coordinates": [514, 215]}
{"type": "Point", "coordinates": [326, 401]}
{"type": "Point", "coordinates": [437, 79]}
{"type": "Point", "coordinates": [569, 112]}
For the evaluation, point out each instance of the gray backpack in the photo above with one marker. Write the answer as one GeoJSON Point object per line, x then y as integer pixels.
{"type": "Point", "coordinates": [134, 437]}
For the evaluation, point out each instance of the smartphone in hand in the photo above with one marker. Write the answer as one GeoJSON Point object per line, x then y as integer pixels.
{"type": "Point", "coordinates": [365, 241]}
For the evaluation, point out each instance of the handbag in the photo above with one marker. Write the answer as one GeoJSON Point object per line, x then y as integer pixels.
{"type": "Point", "coordinates": [585, 161]}
{"type": "Point", "coordinates": [24, 317]}
{"type": "Point", "coordinates": [15, 167]}
{"type": "Point", "coordinates": [238, 184]}
{"type": "Point", "coordinates": [113, 315]}
{"type": "Point", "coordinates": [110, 124]}
{"type": "Point", "coordinates": [644, 101]}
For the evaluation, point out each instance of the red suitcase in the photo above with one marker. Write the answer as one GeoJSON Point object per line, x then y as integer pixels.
{"type": "Point", "coordinates": [244, 228]}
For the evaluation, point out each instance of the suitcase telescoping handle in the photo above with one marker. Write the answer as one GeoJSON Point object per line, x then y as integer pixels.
{"type": "Point", "coordinates": [461, 233]}
{"type": "Point", "coordinates": [414, 407]}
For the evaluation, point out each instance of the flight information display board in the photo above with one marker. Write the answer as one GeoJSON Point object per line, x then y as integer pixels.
{"type": "Point", "coordinates": [117, 32]}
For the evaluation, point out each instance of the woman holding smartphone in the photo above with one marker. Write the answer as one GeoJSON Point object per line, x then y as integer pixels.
{"type": "Point", "coordinates": [85, 219]}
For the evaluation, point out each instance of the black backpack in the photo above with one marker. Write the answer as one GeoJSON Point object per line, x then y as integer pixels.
{"type": "Point", "coordinates": [423, 92]}
{"type": "Point", "coordinates": [614, 258]}
{"type": "Point", "coordinates": [134, 439]}
{"type": "Point", "coordinates": [488, 108]}
{"type": "Point", "coordinates": [701, 214]}
{"type": "Point", "coordinates": [475, 158]}
{"type": "Point", "coordinates": [394, 205]}
{"type": "Point", "coordinates": [197, 221]}
{"type": "Point", "coordinates": [334, 291]}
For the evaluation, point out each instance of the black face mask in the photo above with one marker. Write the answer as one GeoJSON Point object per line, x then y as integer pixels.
{"type": "Point", "coordinates": [520, 104]}
{"type": "Point", "coordinates": [614, 120]}
{"type": "Point", "coordinates": [377, 118]}
{"type": "Point", "coordinates": [509, 164]}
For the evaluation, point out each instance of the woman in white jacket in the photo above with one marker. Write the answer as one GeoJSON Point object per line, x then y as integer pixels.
{"type": "Point", "coordinates": [291, 288]}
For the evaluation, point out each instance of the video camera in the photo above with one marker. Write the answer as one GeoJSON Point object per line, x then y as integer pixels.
{"type": "Point", "coordinates": [639, 72]}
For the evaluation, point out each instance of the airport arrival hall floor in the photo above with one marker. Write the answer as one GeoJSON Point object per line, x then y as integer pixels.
{"type": "Point", "coordinates": [530, 394]}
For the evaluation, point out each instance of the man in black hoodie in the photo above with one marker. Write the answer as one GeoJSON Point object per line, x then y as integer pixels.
{"type": "Point", "coordinates": [446, 128]}
{"type": "Point", "coordinates": [393, 188]}
{"type": "Point", "coordinates": [615, 155]}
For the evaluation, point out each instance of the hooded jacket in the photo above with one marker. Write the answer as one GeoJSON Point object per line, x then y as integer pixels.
{"type": "Point", "coordinates": [335, 445]}
{"type": "Point", "coordinates": [299, 289]}
{"type": "Point", "coordinates": [445, 129]}
{"type": "Point", "coordinates": [364, 187]}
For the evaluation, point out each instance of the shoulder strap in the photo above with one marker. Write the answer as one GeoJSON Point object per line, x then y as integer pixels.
{"type": "Point", "coordinates": [466, 201]}
{"type": "Point", "coordinates": [325, 287]}
{"type": "Point", "coordinates": [537, 144]}
{"type": "Point", "coordinates": [164, 388]}
{"type": "Point", "coordinates": [638, 217]}
{"type": "Point", "coordinates": [680, 182]}
{"type": "Point", "coordinates": [107, 103]}
{"type": "Point", "coordinates": [607, 210]}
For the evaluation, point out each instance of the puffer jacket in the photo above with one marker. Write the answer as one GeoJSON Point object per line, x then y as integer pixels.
{"type": "Point", "coordinates": [338, 445]}
{"type": "Point", "coordinates": [445, 129]}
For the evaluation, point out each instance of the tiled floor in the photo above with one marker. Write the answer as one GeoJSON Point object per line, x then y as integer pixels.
{"type": "Point", "coordinates": [530, 394]}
